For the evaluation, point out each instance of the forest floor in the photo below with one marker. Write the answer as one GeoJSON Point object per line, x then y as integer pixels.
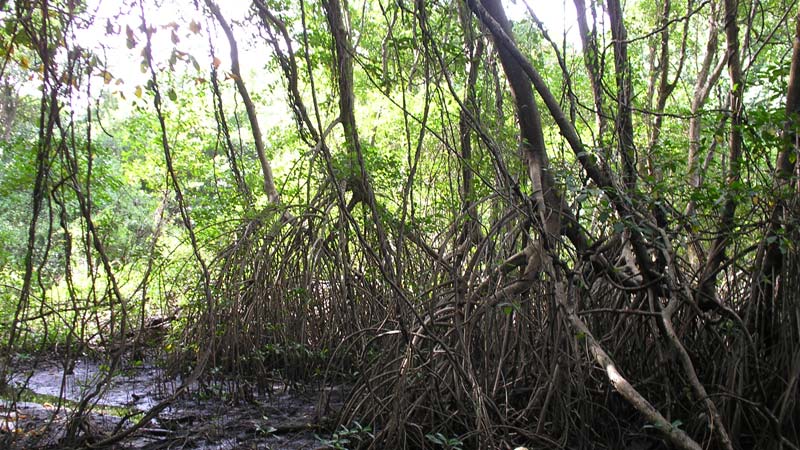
{"type": "Point", "coordinates": [288, 418]}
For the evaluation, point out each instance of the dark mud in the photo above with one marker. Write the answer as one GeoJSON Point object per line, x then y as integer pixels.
{"type": "Point", "coordinates": [202, 419]}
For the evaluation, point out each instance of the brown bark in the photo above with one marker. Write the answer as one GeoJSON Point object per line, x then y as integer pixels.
{"type": "Point", "coordinates": [706, 79]}
{"type": "Point", "coordinates": [230, 149]}
{"type": "Point", "coordinates": [532, 145]}
{"type": "Point", "coordinates": [664, 87]}
{"type": "Point", "coordinates": [675, 435]}
{"type": "Point", "coordinates": [592, 59]}
{"type": "Point", "coordinates": [770, 261]}
{"type": "Point", "coordinates": [48, 114]}
{"type": "Point", "coordinates": [266, 168]}
{"type": "Point", "coordinates": [288, 62]}
{"type": "Point", "coordinates": [474, 51]}
{"type": "Point", "coordinates": [624, 121]}
{"type": "Point", "coordinates": [660, 88]}
{"type": "Point", "coordinates": [359, 182]}
{"type": "Point", "coordinates": [706, 292]}
{"type": "Point", "coordinates": [620, 202]}
{"type": "Point", "coordinates": [518, 73]}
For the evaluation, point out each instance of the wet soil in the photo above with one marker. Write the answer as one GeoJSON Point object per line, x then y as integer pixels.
{"type": "Point", "coordinates": [288, 418]}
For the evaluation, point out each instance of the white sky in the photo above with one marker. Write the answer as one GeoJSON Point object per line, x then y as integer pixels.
{"type": "Point", "coordinates": [558, 17]}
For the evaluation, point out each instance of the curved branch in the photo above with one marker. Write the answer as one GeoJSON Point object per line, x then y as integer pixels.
{"type": "Point", "coordinates": [266, 168]}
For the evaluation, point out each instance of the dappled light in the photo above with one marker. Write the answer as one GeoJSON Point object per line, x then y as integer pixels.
{"type": "Point", "coordinates": [411, 224]}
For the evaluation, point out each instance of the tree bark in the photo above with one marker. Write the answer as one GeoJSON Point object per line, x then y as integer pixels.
{"type": "Point", "coordinates": [624, 121]}
{"type": "Point", "coordinates": [592, 59]}
{"type": "Point", "coordinates": [474, 51]}
{"type": "Point", "coordinates": [770, 258]}
{"type": "Point", "coordinates": [266, 168]}
{"type": "Point", "coordinates": [706, 79]}
{"type": "Point", "coordinates": [620, 202]}
{"type": "Point", "coordinates": [288, 62]}
{"type": "Point", "coordinates": [359, 182]}
{"type": "Point", "coordinates": [533, 151]}
{"type": "Point", "coordinates": [532, 146]}
{"type": "Point", "coordinates": [664, 87]}
{"type": "Point", "coordinates": [706, 292]}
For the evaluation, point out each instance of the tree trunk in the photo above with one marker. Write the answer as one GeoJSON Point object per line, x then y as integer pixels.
{"type": "Point", "coordinates": [532, 146]}
{"type": "Point", "coordinates": [266, 168]}
{"type": "Point", "coordinates": [770, 261]}
{"type": "Point", "coordinates": [624, 121]}
{"type": "Point", "coordinates": [706, 292]}
{"type": "Point", "coordinates": [359, 182]}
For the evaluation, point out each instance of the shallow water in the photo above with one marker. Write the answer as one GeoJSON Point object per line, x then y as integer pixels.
{"type": "Point", "coordinates": [207, 421]}
{"type": "Point", "coordinates": [138, 387]}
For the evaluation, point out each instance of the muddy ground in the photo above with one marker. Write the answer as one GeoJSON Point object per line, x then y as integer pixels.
{"type": "Point", "coordinates": [288, 418]}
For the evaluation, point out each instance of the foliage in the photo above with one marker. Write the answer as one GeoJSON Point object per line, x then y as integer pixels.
{"type": "Point", "coordinates": [348, 437]}
{"type": "Point", "coordinates": [444, 442]}
{"type": "Point", "coordinates": [464, 231]}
